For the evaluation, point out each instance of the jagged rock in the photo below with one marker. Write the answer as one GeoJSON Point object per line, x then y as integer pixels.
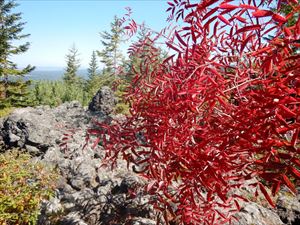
{"type": "Point", "coordinates": [38, 129]}
{"type": "Point", "coordinates": [288, 207]}
{"type": "Point", "coordinates": [86, 193]}
{"type": "Point", "coordinates": [255, 214]}
{"type": "Point", "coordinates": [96, 195]}
{"type": "Point", "coordinates": [103, 102]}
{"type": "Point", "coordinates": [143, 221]}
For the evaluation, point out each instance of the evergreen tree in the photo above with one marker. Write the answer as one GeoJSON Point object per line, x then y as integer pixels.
{"type": "Point", "coordinates": [73, 64]}
{"type": "Point", "coordinates": [93, 67]}
{"type": "Point", "coordinates": [13, 89]}
{"type": "Point", "coordinates": [92, 84]}
{"type": "Point", "coordinates": [111, 55]}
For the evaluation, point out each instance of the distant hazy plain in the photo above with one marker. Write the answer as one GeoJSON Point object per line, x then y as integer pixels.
{"type": "Point", "coordinates": [51, 74]}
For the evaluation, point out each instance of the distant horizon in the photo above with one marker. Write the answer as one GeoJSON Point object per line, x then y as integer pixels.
{"type": "Point", "coordinates": [53, 73]}
{"type": "Point", "coordinates": [50, 68]}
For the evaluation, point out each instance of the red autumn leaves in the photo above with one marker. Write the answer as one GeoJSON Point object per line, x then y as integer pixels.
{"type": "Point", "coordinates": [223, 110]}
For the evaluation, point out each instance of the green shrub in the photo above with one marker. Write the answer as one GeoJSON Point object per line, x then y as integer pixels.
{"type": "Point", "coordinates": [5, 111]}
{"type": "Point", "coordinates": [23, 185]}
{"type": "Point", "coordinates": [54, 93]}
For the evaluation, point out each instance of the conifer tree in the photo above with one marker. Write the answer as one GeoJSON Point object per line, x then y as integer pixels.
{"type": "Point", "coordinates": [111, 55]}
{"type": "Point", "coordinates": [73, 64]}
{"type": "Point", "coordinates": [92, 84]}
{"type": "Point", "coordinates": [13, 89]}
{"type": "Point", "coordinates": [93, 67]}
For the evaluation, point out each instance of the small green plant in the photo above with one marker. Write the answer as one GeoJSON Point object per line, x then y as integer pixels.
{"type": "Point", "coordinates": [23, 185]}
{"type": "Point", "coordinates": [5, 111]}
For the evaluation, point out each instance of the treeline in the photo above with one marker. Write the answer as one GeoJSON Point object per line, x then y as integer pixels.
{"type": "Point", "coordinates": [117, 72]}
{"type": "Point", "coordinates": [54, 93]}
{"type": "Point", "coordinates": [73, 87]}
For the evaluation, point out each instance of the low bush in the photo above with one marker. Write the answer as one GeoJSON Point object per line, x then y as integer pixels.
{"type": "Point", "coordinates": [23, 185]}
{"type": "Point", "coordinates": [5, 112]}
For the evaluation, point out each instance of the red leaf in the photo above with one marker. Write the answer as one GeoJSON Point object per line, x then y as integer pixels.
{"type": "Point", "coordinates": [287, 31]}
{"type": "Point", "coordinates": [206, 25]}
{"type": "Point", "coordinates": [276, 187]}
{"type": "Point", "coordinates": [286, 111]}
{"type": "Point", "coordinates": [245, 42]}
{"type": "Point", "coordinates": [63, 144]}
{"type": "Point", "coordinates": [267, 196]}
{"type": "Point", "coordinates": [262, 13]}
{"type": "Point", "coordinates": [227, 6]}
{"type": "Point", "coordinates": [288, 183]}
{"type": "Point", "coordinates": [222, 18]}
{"type": "Point", "coordinates": [171, 4]}
{"type": "Point", "coordinates": [248, 28]}
{"type": "Point", "coordinates": [262, 50]}
{"type": "Point", "coordinates": [190, 6]}
{"type": "Point", "coordinates": [296, 161]}
{"type": "Point", "coordinates": [94, 131]}
{"type": "Point", "coordinates": [295, 172]}
{"type": "Point", "coordinates": [241, 19]}
{"type": "Point", "coordinates": [237, 205]}
{"type": "Point", "coordinates": [180, 39]}
{"type": "Point", "coordinates": [169, 58]}
{"type": "Point", "coordinates": [244, 6]}
{"type": "Point", "coordinates": [172, 47]}
{"type": "Point", "coordinates": [210, 13]}
{"type": "Point", "coordinates": [278, 18]}
{"type": "Point", "coordinates": [216, 28]}
{"type": "Point", "coordinates": [240, 197]}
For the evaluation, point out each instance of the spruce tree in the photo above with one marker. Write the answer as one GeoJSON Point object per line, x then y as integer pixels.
{"type": "Point", "coordinates": [13, 89]}
{"type": "Point", "coordinates": [73, 63]}
{"type": "Point", "coordinates": [93, 67]}
{"type": "Point", "coordinates": [111, 55]}
{"type": "Point", "coordinates": [92, 84]}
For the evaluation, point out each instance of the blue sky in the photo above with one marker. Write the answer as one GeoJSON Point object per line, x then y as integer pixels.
{"type": "Point", "coordinates": [55, 25]}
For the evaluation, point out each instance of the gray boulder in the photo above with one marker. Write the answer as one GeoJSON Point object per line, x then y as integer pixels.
{"type": "Point", "coordinates": [288, 207]}
{"type": "Point", "coordinates": [38, 129]}
{"type": "Point", "coordinates": [255, 214]}
{"type": "Point", "coordinates": [90, 194]}
{"type": "Point", "coordinates": [103, 102]}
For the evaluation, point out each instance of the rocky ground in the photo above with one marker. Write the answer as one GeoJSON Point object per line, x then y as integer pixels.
{"type": "Point", "coordinates": [88, 194]}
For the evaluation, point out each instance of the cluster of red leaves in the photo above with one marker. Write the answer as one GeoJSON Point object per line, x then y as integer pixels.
{"type": "Point", "coordinates": [222, 110]}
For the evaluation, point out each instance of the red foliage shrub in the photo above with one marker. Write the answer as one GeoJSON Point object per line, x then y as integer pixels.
{"type": "Point", "coordinates": [223, 109]}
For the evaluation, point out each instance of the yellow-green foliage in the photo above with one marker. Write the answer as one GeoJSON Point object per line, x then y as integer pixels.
{"type": "Point", "coordinates": [23, 185]}
{"type": "Point", "coordinates": [53, 93]}
{"type": "Point", "coordinates": [121, 107]}
{"type": "Point", "coordinates": [5, 111]}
